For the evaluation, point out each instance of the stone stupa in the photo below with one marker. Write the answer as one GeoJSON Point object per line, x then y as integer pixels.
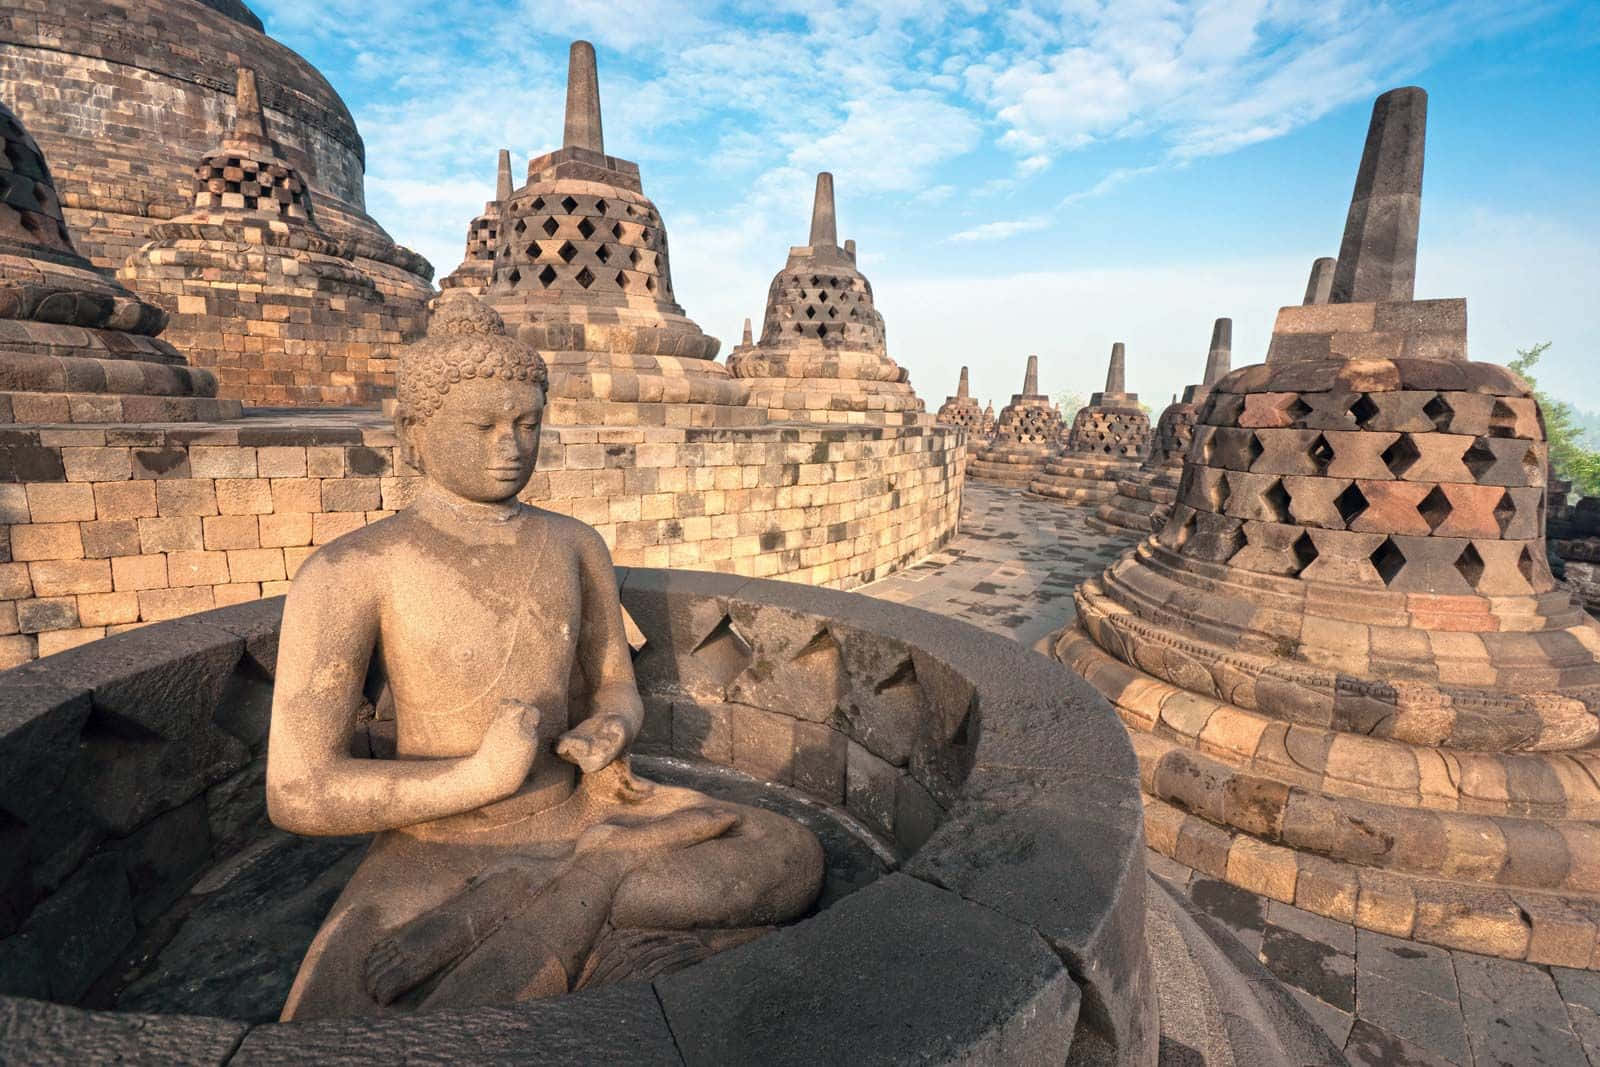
{"type": "Point", "coordinates": [1319, 286]}
{"type": "Point", "coordinates": [1352, 682]}
{"type": "Point", "coordinates": [257, 291]}
{"type": "Point", "coordinates": [75, 346]}
{"type": "Point", "coordinates": [986, 428]}
{"type": "Point", "coordinates": [1028, 430]}
{"type": "Point", "coordinates": [1144, 497]}
{"type": "Point", "coordinates": [961, 410]}
{"type": "Point", "coordinates": [1110, 437]}
{"type": "Point", "coordinates": [476, 269]}
{"type": "Point", "coordinates": [581, 274]}
{"type": "Point", "coordinates": [822, 356]}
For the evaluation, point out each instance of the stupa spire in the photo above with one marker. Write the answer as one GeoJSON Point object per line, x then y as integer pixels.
{"type": "Point", "coordinates": [1030, 380]}
{"type": "Point", "coordinates": [1116, 370]}
{"type": "Point", "coordinates": [583, 100]}
{"type": "Point", "coordinates": [961, 389]}
{"type": "Point", "coordinates": [502, 180]}
{"type": "Point", "coordinates": [749, 337]}
{"type": "Point", "coordinates": [824, 223]}
{"type": "Point", "coordinates": [249, 125]}
{"type": "Point", "coordinates": [1378, 255]}
{"type": "Point", "coordinates": [1219, 359]}
{"type": "Point", "coordinates": [1320, 285]}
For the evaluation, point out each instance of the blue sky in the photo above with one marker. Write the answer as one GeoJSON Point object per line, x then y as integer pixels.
{"type": "Point", "coordinates": [1036, 177]}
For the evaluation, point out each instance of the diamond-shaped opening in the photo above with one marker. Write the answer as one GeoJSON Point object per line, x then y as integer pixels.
{"type": "Point", "coordinates": [811, 312]}
{"type": "Point", "coordinates": [547, 277]}
{"type": "Point", "coordinates": [633, 257]}
{"type": "Point", "coordinates": [1321, 453]}
{"type": "Point", "coordinates": [1532, 462]}
{"type": "Point", "coordinates": [533, 250]}
{"type": "Point", "coordinates": [650, 284]}
{"type": "Point", "coordinates": [515, 276]}
{"type": "Point", "coordinates": [833, 313]}
{"type": "Point", "coordinates": [1434, 508]}
{"type": "Point", "coordinates": [1470, 565]}
{"type": "Point", "coordinates": [1505, 511]}
{"type": "Point", "coordinates": [1401, 456]}
{"type": "Point", "coordinates": [1525, 565]}
{"type": "Point", "coordinates": [1439, 410]}
{"type": "Point", "coordinates": [551, 226]}
{"type": "Point", "coordinates": [1350, 503]}
{"type": "Point", "coordinates": [585, 277]}
{"type": "Point", "coordinates": [822, 295]}
{"type": "Point", "coordinates": [566, 251]}
{"type": "Point", "coordinates": [586, 228]}
{"type": "Point", "coordinates": [798, 328]}
{"type": "Point", "coordinates": [538, 203]}
{"type": "Point", "coordinates": [603, 254]}
{"type": "Point", "coordinates": [600, 206]}
{"type": "Point", "coordinates": [822, 329]}
{"type": "Point", "coordinates": [622, 280]}
{"type": "Point", "coordinates": [521, 227]}
{"type": "Point", "coordinates": [1297, 410]}
{"type": "Point", "coordinates": [1304, 551]}
{"type": "Point", "coordinates": [1478, 458]}
{"type": "Point", "coordinates": [815, 280]}
{"type": "Point", "coordinates": [1277, 501]}
{"type": "Point", "coordinates": [1502, 420]}
{"type": "Point", "coordinates": [569, 205]}
{"type": "Point", "coordinates": [1387, 559]}
{"type": "Point", "coordinates": [644, 235]}
{"type": "Point", "coordinates": [616, 230]}
{"type": "Point", "coordinates": [1365, 409]}
{"type": "Point", "coordinates": [1255, 451]}
{"type": "Point", "coordinates": [629, 209]}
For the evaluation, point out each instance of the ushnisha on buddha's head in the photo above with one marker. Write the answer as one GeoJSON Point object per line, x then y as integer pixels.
{"type": "Point", "coordinates": [471, 400]}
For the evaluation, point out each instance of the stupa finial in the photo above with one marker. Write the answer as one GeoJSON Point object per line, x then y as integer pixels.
{"type": "Point", "coordinates": [1116, 370]}
{"type": "Point", "coordinates": [583, 100]}
{"type": "Point", "coordinates": [1378, 255]}
{"type": "Point", "coordinates": [249, 126]}
{"type": "Point", "coordinates": [1219, 360]}
{"type": "Point", "coordinates": [1030, 380]}
{"type": "Point", "coordinates": [824, 224]}
{"type": "Point", "coordinates": [1319, 286]}
{"type": "Point", "coordinates": [502, 180]}
{"type": "Point", "coordinates": [749, 337]}
{"type": "Point", "coordinates": [961, 389]}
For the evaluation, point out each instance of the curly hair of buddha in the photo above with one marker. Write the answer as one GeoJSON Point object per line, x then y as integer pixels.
{"type": "Point", "coordinates": [466, 339]}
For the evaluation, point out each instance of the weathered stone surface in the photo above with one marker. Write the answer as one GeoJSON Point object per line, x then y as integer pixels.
{"type": "Point", "coordinates": [1378, 256]}
{"type": "Point", "coordinates": [991, 992]}
{"type": "Point", "coordinates": [52, 1035]}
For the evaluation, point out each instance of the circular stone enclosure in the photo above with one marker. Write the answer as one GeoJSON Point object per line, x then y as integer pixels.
{"type": "Point", "coordinates": [1011, 931]}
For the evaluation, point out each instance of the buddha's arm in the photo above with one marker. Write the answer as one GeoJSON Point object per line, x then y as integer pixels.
{"type": "Point", "coordinates": [603, 640]}
{"type": "Point", "coordinates": [314, 786]}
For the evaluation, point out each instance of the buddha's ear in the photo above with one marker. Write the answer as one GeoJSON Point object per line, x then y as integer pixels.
{"type": "Point", "coordinates": [406, 427]}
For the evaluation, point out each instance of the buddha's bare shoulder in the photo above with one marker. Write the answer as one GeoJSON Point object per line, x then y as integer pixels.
{"type": "Point", "coordinates": [354, 563]}
{"type": "Point", "coordinates": [574, 534]}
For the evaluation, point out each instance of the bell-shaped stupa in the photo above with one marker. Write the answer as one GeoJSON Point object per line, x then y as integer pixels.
{"type": "Point", "coordinates": [258, 292]}
{"type": "Point", "coordinates": [476, 269]}
{"type": "Point", "coordinates": [581, 274]}
{"type": "Point", "coordinates": [961, 410]}
{"type": "Point", "coordinates": [822, 355]}
{"type": "Point", "coordinates": [1109, 438]}
{"type": "Point", "coordinates": [1027, 432]}
{"type": "Point", "coordinates": [1352, 682]}
{"type": "Point", "coordinates": [75, 346]}
{"type": "Point", "coordinates": [1144, 497]}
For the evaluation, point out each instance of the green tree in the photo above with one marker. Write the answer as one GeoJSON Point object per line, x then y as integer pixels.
{"type": "Point", "coordinates": [1069, 403]}
{"type": "Point", "coordinates": [1569, 458]}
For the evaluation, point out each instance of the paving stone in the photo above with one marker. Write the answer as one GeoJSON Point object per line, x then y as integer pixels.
{"type": "Point", "coordinates": [1499, 1036]}
{"type": "Point", "coordinates": [1341, 936]}
{"type": "Point", "coordinates": [1514, 988]}
{"type": "Point", "coordinates": [1310, 965]}
{"type": "Point", "coordinates": [1373, 1046]}
{"type": "Point", "coordinates": [1335, 1023]}
{"type": "Point", "coordinates": [1241, 911]}
{"type": "Point", "coordinates": [1421, 1018]}
{"type": "Point", "coordinates": [1417, 966]}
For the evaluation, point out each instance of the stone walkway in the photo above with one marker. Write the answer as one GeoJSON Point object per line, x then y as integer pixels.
{"type": "Point", "coordinates": [1384, 1001]}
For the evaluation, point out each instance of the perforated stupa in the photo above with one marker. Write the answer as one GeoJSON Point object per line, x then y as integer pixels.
{"type": "Point", "coordinates": [476, 269]}
{"type": "Point", "coordinates": [1144, 497]}
{"type": "Point", "coordinates": [1352, 682]}
{"type": "Point", "coordinates": [1110, 437]}
{"type": "Point", "coordinates": [76, 346]}
{"type": "Point", "coordinates": [961, 410]}
{"type": "Point", "coordinates": [822, 356]}
{"type": "Point", "coordinates": [1026, 433]}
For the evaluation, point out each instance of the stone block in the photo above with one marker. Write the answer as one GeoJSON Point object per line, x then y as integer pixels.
{"type": "Point", "coordinates": [329, 525]}
{"type": "Point", "coordinates": [296, 495]}
{"type": "Point", "coordinates": [53, 641]}
{"type": "Point", "coordinates": [994, 993]}
{"type": "Point", "coordinates": [228, 461]}
{"type": "Point", "coordinates": [63, 577]}
{"type": "Point", "coordinates": [108, 609]}
{"type": "Point", "coordinates": [125, 500]}
{"type": "Point", "coordinates": [60, 502]}
{"type": "Point", "coordinates": [83, 926]}
{"type": "Point", "coordinates": [139, 572]}
{"type": "Point", "coordinates": [156, 605]}
{"type": "Point", "coordinates": [55, 613]}
{"type": "Point", "coordinates": [116, 537]}
{"type": "Point", "coordinates": [819, 761]}
{"type": "Point", "coordinates": [244, 496]}
{"type": "Point", "coordinates": [281, 462]}
{"type": "Point", "coordinates": [191, 568]}
{"type": "Point", "coordinates": [91, 464]}
{"type": "Point", "coordinates": [703, 732]}
{"type": "Point", "coordinates": [256, 565]}
{"type": "Point", "coordinates": [35, 1032]}
{"type": "Point", "coordinates": [49, 540]}
{"type": "Point", "coordinates": [870, 785]}
{"type": "Point", "coordinates": [222, 532]}
{"type": "Point", "coordinates": [351, 494]}
{"type": "Point", "coordinates": [282, 531]}
{"type": "Point", "coordinates": [763, 744]}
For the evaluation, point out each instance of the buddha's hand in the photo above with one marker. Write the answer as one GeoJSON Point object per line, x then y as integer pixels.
{"type": "Point", "coordinates": [594, 743]}
{"type": "Point", "coordinates": [509, 747]}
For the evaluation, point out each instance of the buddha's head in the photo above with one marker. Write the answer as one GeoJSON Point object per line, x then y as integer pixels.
{"type": "Point", "coordinates": [471, 400]}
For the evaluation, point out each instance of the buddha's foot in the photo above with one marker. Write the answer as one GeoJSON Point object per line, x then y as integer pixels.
{"type": "Point", "coordinates": [437, 938]}
{"type": "Point", "coordinates": [629, 846]}
{"type": "Point", "coordinates": [640, 955]}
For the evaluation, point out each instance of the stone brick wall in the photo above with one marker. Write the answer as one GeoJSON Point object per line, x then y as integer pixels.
{"type": "Point", "coordinates": [104, 529]}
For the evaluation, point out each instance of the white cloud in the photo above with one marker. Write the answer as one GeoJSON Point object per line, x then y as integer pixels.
{"type": "Point", "coordinates": [995, 231]}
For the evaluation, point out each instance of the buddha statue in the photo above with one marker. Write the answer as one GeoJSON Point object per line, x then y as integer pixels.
{"type": "Point", "coordinates": [512, 843]}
